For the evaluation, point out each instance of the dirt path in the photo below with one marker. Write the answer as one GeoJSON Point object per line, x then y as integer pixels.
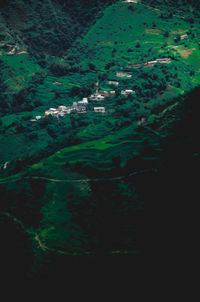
{"type": "Point", "coordinates": [45, 248]}
{"type": "Point", "coordinates": [16, 220]}
{"type": "Point", "coordinates": [2, 181]}
{"type": "Point", "coordinates": [41, 244]}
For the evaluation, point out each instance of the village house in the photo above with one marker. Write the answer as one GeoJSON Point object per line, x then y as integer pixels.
{"type": "Point", "coordinates": [121, 74]}
{"type": "Point", "coordinates": [127, 91]}
{"type": "Point", "coordinates": [81, 109]}
{"type": "Point", "coordinates": [49, 112]}
{"type": "Point", "coordinates": [131, 1]}
{"type": "Point", "coordinates": [136, 66]}
{"type": "Point", "coordinates": [38, 117]}
{"type": "Point", "coordinates": [62, 107]}
{"type": "Point", "coordinates": [113, 83]}
{"type": "Point", "coordinates": [57, 83]}
{"type": "Point", "coordinates": [183, 37]}
{"type": "Point", "coordinates": [61, 111]}
{"type": "Point", "coordinates": [164, 60]}
{"type": "Point", "coordinates": [150, 63]}
{"type": "Point", "coordinates": [96, 97]}
{"type": "Point", "coordinates": [106, 93]}
{"type": "Point", "coordinates": [83, 102]}
{"type": "Point", "coordinates": [142, 121]}
{"type": "Point", "coordinates": [100, 109]}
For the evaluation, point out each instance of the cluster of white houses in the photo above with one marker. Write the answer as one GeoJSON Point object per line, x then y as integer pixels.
{"type": "Point", "coordinates": [82, 106]}
{"type": "Point", "coordinates": [78, 107]}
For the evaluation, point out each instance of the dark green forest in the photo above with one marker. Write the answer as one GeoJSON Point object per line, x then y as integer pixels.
{"type": "Point", "coordinates": [98, 131]}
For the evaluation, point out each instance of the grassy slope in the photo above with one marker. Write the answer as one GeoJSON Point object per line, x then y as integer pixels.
{"type": "Point", "coordinates": [113, 27]}
{"type": "Point", "coordinates": [119, 30]}
{"type": "Point", "coordinates": [21, 68]}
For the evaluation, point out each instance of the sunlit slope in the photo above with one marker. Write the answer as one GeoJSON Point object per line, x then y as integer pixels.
{"type": "Point", "coordinates": [17, 70]}
{"type": "Point", "coordinates": [135, 33]}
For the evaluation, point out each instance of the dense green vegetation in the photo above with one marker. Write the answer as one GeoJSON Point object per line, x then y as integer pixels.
{"type": "Point", "coordinates": [79, 183]}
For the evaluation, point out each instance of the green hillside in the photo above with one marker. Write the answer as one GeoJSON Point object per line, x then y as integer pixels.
{"type": "Point", "coordinates": [79, 182]}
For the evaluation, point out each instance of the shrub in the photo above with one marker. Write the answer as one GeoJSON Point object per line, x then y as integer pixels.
{"type": "Point", "coordinates": [59, 69]}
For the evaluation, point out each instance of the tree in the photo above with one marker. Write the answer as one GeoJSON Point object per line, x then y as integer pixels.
{"type": "Point", "coordinates": [177, 38]}
{"type": "Point", "coordinates": [166, 34]}
{"type": "Point", "coordinates": [92, 66]}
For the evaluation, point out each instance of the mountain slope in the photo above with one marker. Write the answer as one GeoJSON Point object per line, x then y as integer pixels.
{"type": "Point", "coordinates": [47, 27]}
{"type": "Point", "coordinates": [79, 183]}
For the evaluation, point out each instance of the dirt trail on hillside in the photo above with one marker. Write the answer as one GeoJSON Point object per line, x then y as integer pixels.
{"type": "Point", "coordinates": [3, 181]}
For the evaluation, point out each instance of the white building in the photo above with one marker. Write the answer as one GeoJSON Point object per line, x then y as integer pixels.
{"type": "Point", "coordinates": [127, 91]}
{"type": "Point", "coordinates": [121, 74]}
{"type": "Point", "coordinates": [83, 102]}
{"type": "Point", "coordinates": [62, 107]}
{"type": "Point", "coordinates": [106, 92]}
{"type": "Point", "coordinates": [183, 37]}
{"type": "Point", "coordinates": [132, 1]}
{"type": "Point", "coordinates": [152, 62]}
{"type": "Point", "coordinates": [96, 97]}
{"type": "Point", "coordinates": [100, 109]}
{"type": "Point", "coordinates": [113, 83]}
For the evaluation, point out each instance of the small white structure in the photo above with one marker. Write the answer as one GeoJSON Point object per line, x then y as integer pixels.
{"type": "Point", "coordinates": [12, 51]}
{"type": "Point", "coordinates": [132, 1]}
{"type": "Point", "coordinates": [52, 109]}
{"type": "Point", "coordinates": [113, 83]}
{"type": "Point", "coordinates": [47, 112]}
{"type": "Point", "coordinates": [121, 74]}
{"type": "Point", "coordinates": [22, 52]}
{"type": "Point", "coordinates": [5, 165]}
{"type": "Point", "coordinates": [62, 107]}
{"type": "Point", "coordinates": [152, 62]}
{"type": "Point", "coordinates": [83, 102]}
{"type": "Point", "coordinates": [106, 92]}
{"type": "Point", "coordinates": [100, 109]}
{"type": "Point", "coordinates": [142, 121]}
{"type": "Point", "coordinates": [164, 60]}
{"type": "Point", "coordinates": [38, 117]}
{"type": "Point", "coordinates": [57, 83]}
{"type": "Point", "coordinates": [127, 91]}
{"type": "Point", "coordinates": [183, 37]}
{"type": "Point", "coordinates": [96, 97]}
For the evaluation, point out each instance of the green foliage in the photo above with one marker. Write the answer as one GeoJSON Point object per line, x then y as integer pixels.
{"type": "Point", "coordinates": [82, 179]}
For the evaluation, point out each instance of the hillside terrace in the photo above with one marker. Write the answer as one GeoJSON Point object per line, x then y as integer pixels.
{"type": "Point", "coordinates": [150, 63]}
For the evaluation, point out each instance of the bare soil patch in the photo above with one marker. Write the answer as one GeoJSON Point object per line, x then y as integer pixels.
{"type": "Point", "coordinates": [185, 53]}
{"type": "Point", "coordinates": [155, 31]}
